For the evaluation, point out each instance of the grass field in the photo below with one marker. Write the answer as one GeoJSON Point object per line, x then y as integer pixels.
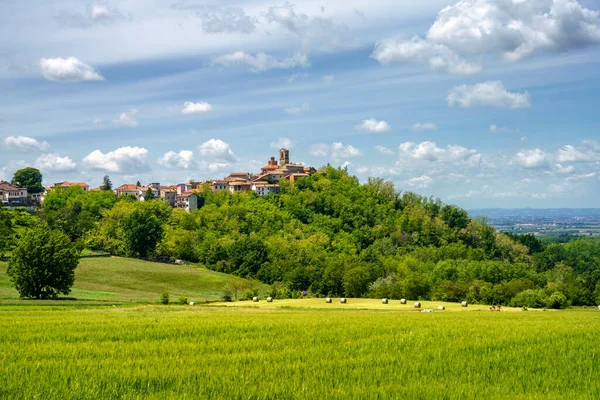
{"type": "Point", "coordinates": [154, 352]}
{"type": "Point", "coordinates": [119, 280]}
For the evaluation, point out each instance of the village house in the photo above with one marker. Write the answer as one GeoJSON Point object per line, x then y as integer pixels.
{"type": "Point", "coordinates": [168, 194]}
{"type": "Point", "coordinates": [12, 195]}
{"type": "Point", "coordinates": [67, 185]}
{"type": "Point", "coordinates": [143, 190]}
{"type": "Point", "coordinates": [219, 185]}
{"type": "Point", "coordinates": [187, 201]}
{"type": "Point", "coordinates": [263, 188]}
{"type": "Point", "coordinates": [128, 189]}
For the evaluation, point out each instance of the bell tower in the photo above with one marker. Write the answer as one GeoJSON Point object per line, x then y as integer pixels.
{"type": "Point", "coordinates": [284, 157]}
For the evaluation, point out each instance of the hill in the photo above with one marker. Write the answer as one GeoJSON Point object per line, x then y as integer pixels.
{"type": "Point", "coordinates": [120, 280]}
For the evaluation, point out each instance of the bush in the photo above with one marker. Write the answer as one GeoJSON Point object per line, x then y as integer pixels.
{"type": "Point", "coordinates": [164, 298]}
{"type": "Point", "coordinates": [227, 295]}
{"type": "Point", "coordinates": [182, 300]}
{"type": "Point", "coordinates": [557, 300]}
{"type": "Point", "coordinates": [529, 298]}
{"type": "Point", "coordinates": [249, 294]}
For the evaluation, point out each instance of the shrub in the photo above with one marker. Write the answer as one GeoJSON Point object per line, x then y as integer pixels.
{"type": "Point", "coordinates": [164, 298]}
{"type": "Point", "coordinates": [250, 293]}
{"type": "Point", "coordinates": [182, 300]}
{"type": "Point", "coordinates": [529, 298]}
{"type": "Point", "coordinates": [227, 296]}
{"type": "Point", "coordinates": [557, 300]}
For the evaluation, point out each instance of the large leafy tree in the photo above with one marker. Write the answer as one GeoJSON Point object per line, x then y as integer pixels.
{"type": "Point", "coordinates": [29, 178]}
{"type": "Point", "coordinates": [142, 231]}
{"type": "Point", "coordinates": [6, 229]}
{"type": "Point", "coordinates": [43, 263]}
{"type": "Point", "coordinates": [106, 183]}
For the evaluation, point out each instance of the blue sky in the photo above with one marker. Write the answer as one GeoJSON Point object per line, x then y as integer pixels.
{"type": "Point", "coordinates": [481, 103]}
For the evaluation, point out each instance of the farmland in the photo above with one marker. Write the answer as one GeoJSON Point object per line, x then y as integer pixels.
{"type": "Point", "coordinates": [252, 353]}
{"type": "Point", "coordinates": [117, 280]}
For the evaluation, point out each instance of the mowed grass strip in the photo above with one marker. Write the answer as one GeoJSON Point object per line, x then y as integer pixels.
{"type": "Point", "coordinates": [119, 280]}
{"type": "Point", "coordinates": [157, 352]}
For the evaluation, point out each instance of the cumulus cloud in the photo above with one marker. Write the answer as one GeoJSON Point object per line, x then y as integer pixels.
{"type": "Point", "coordinates": [491, 93]}
{"type": "Point", "coordinates": [68, 70]}
{"type": "Point", "coordinates": [512, 30]}
{"type": "Point", "coordinates": [127, 119]}
{"type": "Point", "coordinates": [55, 163]}
{"type": "Point", "coordinates": [337, 151]}
{"type": "Point", "coordinates": [565, 169]}
{"type": "Point", "coordinates": [374, 126]}
{"type": "Point", "coordinates": [96, 14]}
{"type": "Point", "coordinates": [182, 160]}
{"type": "Point", "coordinates": [297, 110]}
{"type": "Point", "coordinates": [420, 182]}
{"type": "Point", "coordinates": [25, 144]}
{"type": "Point", "coordinates": [226, 19]}
{"type": "Point", "coordinates": [261, 61]}
{"type": "Point", "coordinates": [430, 152]}
{"type": "Point", "coordinates": [502, 129]}
{"type": "Point", "coordinates": [125, 160]}
{"type": "Point", "coordinates": [532, 159]}
{"type": "Point", "coordinates": [427, 126]}
{"type": "Point", "coordinates": [283, 143]}
{"type": "Point", "coordinates": [218, 150]}
{"type": "Point", "coordinates": [196, 108]}
{"type": "Point", "coordinates": [589, 151]}
{"type": "Point", "coordinates": [385, 150]}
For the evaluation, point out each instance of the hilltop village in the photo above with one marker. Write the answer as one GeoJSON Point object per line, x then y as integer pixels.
{"type": "Point", "coordinates": [182, 195]}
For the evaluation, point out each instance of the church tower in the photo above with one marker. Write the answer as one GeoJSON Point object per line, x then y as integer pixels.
{"type": "Point", "coordinates": [284, 157]}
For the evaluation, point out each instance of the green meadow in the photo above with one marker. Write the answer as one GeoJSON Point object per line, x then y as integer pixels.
{"type": "Point", "coordinates": [174, 352]}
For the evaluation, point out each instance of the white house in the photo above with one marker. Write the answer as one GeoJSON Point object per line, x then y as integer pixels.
{"type": "Point", "coordinates": [13, 195]}
{"type": "Point", "coordinates": [263, 188]}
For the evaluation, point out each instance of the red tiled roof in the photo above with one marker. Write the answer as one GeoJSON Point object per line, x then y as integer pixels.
{"type": "Point", "coordinates": [127, 186]}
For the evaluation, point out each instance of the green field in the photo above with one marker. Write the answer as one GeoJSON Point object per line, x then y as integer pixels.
{"type": "Point", "coordinates": [159, 352]}
{"type": "Point", "coordinates": [119, 280]}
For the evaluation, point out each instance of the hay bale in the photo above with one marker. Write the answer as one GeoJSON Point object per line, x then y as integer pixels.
{"type": "Point", "coordinates": [343, 300]}
{"type": "Point", "coordinates": [598, 308]}
{"type": "Point", "coordinates": [441, 308]}
{"type": "Point", "coordinates": [328, 300]}
{"type": "Point", "coordinates": [464, 304]}
{"type": "Point", "coordinates": [269, 299]}
{"type": "Point", "coordinates": [255, 299]}
{"type": "Point", "coordinates": [192, 303]}
{"type": "Point", "coordinates": [417, 304]}
{"type": "Point", "coordinates": [403, 301]}
{"type": "Point", "coordinates": [384, 301]}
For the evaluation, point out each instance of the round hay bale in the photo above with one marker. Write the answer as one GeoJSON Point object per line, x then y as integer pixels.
{"type": "Point", "coordinates": [384, 301]}
{"type": "Point", "coordinates": [328, 300]}
{"type": "Point", "coordinates": [192, 303]}
{"type": "Point", "coordinates": [269, 299]}
{"type": "Point", "coordinates": [598, 308]}
{"type": "Point", "coordinates": [464, 304]}
{"type": "Point", "coordinates": [255, 299]}
{"type": "Point", "coordinates": [343, 300]}
{"type": "Point", "coordinates": [403, 301]}
{"type": "Point", "coordinates": [441, 308]}
{"type": "Point", "coordinates": [417, 304]}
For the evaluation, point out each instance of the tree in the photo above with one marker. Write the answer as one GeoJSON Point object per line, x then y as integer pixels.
{"type": "Point", "coordinates": [29, 178]}
{"type": "Point", "coordinates": [149, 194]}
{"type": "Point", "coordinates": [142, 232]}
{"type": "Point", "coordinates": [6, 230]}
{"type": "Point", "coordinates": [138, 184]}
{"type": "Point", "coordinates": [43, 263]}
{"type": "Point", "coordinates": [107, 184]}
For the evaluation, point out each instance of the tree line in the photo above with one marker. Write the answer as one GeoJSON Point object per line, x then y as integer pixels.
{"type": "Point", "coordinates": [331, 235]}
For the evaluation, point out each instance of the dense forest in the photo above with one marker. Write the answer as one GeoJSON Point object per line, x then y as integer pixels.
{"type": "Point", "coordinates": [330, 235]}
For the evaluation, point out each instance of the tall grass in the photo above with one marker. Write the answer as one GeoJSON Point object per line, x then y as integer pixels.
{"type": "Point", "coordinates": [180, 352]}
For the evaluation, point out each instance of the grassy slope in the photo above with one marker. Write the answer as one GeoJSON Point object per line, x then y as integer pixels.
{"type": "Point", "coordinates": [121, 280]}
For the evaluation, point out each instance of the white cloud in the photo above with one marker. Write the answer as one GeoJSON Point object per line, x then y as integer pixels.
{"type": "Point", "coordinates": [565, 169]}
{"type": "Point", "coordinates": [127, 119]}
{"type": "Point", "coordinates": [94, 15]}
{"type": "Point", "coordinates": [384, 150]}
{"type": "Point", "coordinates": [125, 160]}
{"type": "Point", "coordinates": [218, 19]}
{"type": "Point", "coordinates": [261, 61]}
{"type": "Point", "coordinates": [68, 70]}
{"type": "Point", "coordinates": [429, 151]}
{"type": "Point", "coordinates": [374, 126]}
{"type": "Point", "coordinates": [55, 163]}
{"type": "Point", "coordinates": [510, 29]}
{"type": "Point", "coordinates": [532, 159]}
{"type": "Point", "coordinates": [421, 182]}
{"type": "Point", "coordinates": [427, 126]}
{"type": "Point", "coordinates": [196, 108]}
{"type": "Point", "coordinates": [439, 57]}
{"type": "Point", "coordinates": [25, 144]}
{"type": "Point", "coordinates": [502, 129]}
{"type": "Point", "coordinates": [284, 143]}
{"type": "Point", "coordinates": [588, 152]}
{"type": "Point", "coordinates": [337, 151]}
{"type": "Point", "coordinates": [297, 110]}
{"type": "Point", "coordinates": [182, 160]}
{"type": "Point", "coordinates": [218, 150]}
{"type": "Point", "coordinates": [491, 93]}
